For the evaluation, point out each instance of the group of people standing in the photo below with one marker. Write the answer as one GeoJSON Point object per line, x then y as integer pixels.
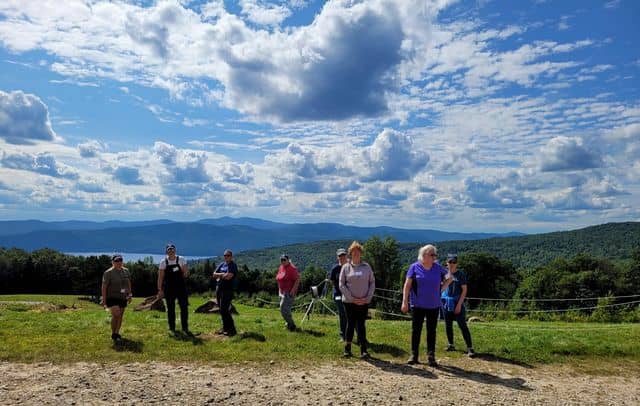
{"type": "Point", "coordinates": [428, 290]}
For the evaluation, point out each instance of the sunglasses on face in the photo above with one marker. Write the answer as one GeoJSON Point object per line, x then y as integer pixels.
{"type": "Point", "coordinates": [452, 262]}
{"type": "Point", "coordinates": [283, 260]}
{"type": "Point", "coordinates": [117, 260]}
{"type": "Point", "coordinates": [227, 255]}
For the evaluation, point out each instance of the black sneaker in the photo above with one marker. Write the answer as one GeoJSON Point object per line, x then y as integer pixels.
{"type": "Point", "coordinates": [231, 333]}
{"type": "Point", "coordinates": [431, 360]}
{"type": "Point", "coordinates": [471, 353]}
{"type": "Point", "coordinates": [291, 327]}
{"type": "Point", "coordinates": [413, 361]}
{"type": "Point", "coordinates": [114, 336]}
{"type": "Point", "coordinates": [450, 347]}
{"type": "Point", "coordinates": [347, 354]}
{"type": "Point", "coordinates": [365, 355]}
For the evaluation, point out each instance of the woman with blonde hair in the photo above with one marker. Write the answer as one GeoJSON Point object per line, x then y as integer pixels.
{"type": "Point", "coordinates": [357, 285]}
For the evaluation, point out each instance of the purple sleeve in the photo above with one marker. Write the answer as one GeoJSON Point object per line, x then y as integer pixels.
{"type": "Point", "coordinates": [411, 271]}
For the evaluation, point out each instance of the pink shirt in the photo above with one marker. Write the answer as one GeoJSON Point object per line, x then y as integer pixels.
{"type": "Point", "coordinates": [286, 277]}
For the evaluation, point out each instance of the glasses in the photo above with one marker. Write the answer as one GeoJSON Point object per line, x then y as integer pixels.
{"type": "Point", "coordinates": [226, 255]}
{"type": "Point", "coordinates": [171, 249]}
{"type": "Point", "coordinates": [452, 262]}
{"type": "Point", "coordinates": [433, 255]}
{"type": "Point", "coordinates": [283, 260]}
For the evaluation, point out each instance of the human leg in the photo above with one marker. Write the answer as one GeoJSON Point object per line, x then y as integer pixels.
{"type": "Point", "coordinates": [432, 324]}
{"type": "Point", "coordinates": [183, 302]}
{"type": "Point", "coordinates": [286, 302]}
{"type": "Point", "coordinates": [417, 318]}
{"type": "Point", "coordinates": [171, 311]}
{"type": "Point", "coordinates": [225, 312]}
{"type": "Point", "coordinates": [448, 321]}
{"type": "Point", "coordinates": [461, 319]}
{"type": "Point", "coordinates": [342, 317]}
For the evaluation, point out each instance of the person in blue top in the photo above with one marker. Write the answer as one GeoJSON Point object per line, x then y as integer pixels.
{"type": "Point", "coordinates": [226, 275]}
{"type": "Point", "coordinates": [334, 277]}
{"type": "Point", "coordinates": [426, 279]}
{"type": "Point", "coordinates": [453, 305]}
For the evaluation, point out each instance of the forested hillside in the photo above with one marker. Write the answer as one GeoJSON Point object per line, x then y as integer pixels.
{"type": "Point", "coordinates": [614, 241]}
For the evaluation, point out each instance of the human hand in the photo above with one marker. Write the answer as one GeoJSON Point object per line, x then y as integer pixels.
{"type": "Point", "coordinates": [458, 309]}
{"type": "Point", "coordinates": [405, 307]}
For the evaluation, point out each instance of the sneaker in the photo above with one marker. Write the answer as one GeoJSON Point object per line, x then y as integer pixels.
{"type": "Point", "coordinates": [450, 347]}
{"type": "Point", "coordinates": [291, 327]}
{"type": "Point", "coordinates": [413, 361]}
{"type": "Point", "coordinates": [114, 336]}
{"type": "Point", "coordinates": [231, 333]}
{"type": "Point", "coordinates": [471, 353]}
{"type": "Point", "coordinates": [187, 333]}
{"type": "Point", "coordinates": [221, 332]}
{"type": "Point", "coordinates": [431, 360]}
{"type": "Point", "coordinates": [347, 354]}
{"type": "Point", "coordinates": [365, 355]}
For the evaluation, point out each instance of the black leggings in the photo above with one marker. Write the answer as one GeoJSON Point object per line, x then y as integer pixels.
{"type": "Point", "coordinates": [418, 315]}
{"type": "Point", "coordinates": [449, 317]}
{"type": "Point", "coordinates": [184, 311]}
{"type": "Point", "coordinates": [356, 316]}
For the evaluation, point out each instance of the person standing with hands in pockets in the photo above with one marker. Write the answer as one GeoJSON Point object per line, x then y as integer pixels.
{"type": "Point", "coordinates": [226, 275]}
{"type": "Point", "coordinates": [454, 308]}
{"type": "Point", "coordinates": [172, 275]}
{"type": "Point", "coordinates": [116, 293]}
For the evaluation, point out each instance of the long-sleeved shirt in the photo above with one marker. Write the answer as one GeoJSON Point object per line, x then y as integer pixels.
{"type": "Point", "coordinates": [357, 282]}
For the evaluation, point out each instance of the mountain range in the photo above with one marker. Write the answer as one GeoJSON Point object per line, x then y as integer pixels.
{"type": "Point", "coordinates": [207, 237]}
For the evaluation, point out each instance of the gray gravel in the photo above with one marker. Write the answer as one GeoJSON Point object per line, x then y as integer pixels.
{"type": "Point", "coordinates": [353, 382]}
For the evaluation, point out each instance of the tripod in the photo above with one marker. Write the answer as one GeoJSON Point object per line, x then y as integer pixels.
{"type": "Point", "coordinates": [317, 297]}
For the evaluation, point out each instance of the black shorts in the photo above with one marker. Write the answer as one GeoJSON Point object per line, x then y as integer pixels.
{"type": "Point", "coordinates": [116, 302]}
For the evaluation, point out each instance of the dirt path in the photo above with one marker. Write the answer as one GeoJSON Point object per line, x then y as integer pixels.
{"type": "Point", "coordinates": [459, 381]}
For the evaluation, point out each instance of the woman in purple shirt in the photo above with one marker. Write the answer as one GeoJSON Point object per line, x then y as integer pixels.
{"type": "Point", "coordinates": [426, 280]}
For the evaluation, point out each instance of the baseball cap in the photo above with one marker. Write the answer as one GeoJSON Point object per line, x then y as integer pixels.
{"type": "Point", "coordinates": [283, 256]}
{"type": "Point", "coordinates": [341, 251]}
{"type": "Point", "coordinates": [452, 257]}
{"type": "Point", "coordinates": [116, 257]}
{"type": "Point", "coordinates": [170, 246]}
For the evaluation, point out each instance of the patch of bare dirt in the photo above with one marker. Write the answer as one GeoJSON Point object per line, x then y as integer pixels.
{"type": "Point", "coordinates": [352, 382]}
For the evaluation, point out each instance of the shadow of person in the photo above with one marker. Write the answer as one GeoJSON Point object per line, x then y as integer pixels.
{"type": "Point", "coordinates": [486, 378]}
{"type": "Point", "coordinates": [251, 335]}
{"type": "Point", "coordinates": [192, 338]}
{"type": "Point", "coordinates": [401, 369]}
{"type": "Point", "coordinates": [485, 356]}
{"type": "Point", "coordinates": [387, 349]}
{"type": "Point", "coordinates": [125, 344]}
{"type": "Point", "coordinates": [314, 333]}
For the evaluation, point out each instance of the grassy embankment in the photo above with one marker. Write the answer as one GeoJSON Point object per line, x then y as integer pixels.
{"type": "Point", "coordinates": [33, 333]}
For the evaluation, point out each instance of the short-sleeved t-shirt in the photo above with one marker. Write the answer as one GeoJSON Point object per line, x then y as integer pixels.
{"type": "Point", "coordinates": [117, 283]}
{"type": "Point", "coordinates": [425, 291]}
{"type": "Point", "coordinates": [458, 279]}
{"type": "Point", "coordinates": [224, 267]}
{"type": "Point", "coordinates": [334, 277]}
{"type": "Point", "coordinates": [163, 264]}
{"type": "Point", "coordinates": [286, 278]}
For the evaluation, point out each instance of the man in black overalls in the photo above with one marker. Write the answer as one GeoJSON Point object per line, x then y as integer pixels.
{"type": "Point", "coordinates": [172, 276]}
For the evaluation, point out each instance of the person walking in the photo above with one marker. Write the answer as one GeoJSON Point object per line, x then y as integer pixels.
{"type": "Point", "coordinates": [116, 293]}
{"type": "Point", "coordinates": [172, 275]}
{"type": "Point", "coordinates": [425, 281]}
{"type": "Point", "coordinates": [357, 285]}
{"type": "Point", "coordinates": [334, 277]}
{"type": "Point", "coordinates": [454, 308]}
{"type": "Point", "coordinates": [288, 280]}
{"type": "Point", "coordinates": [226, 277]}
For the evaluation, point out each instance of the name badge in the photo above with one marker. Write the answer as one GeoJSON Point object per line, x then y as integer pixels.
{"type": "Point", "coordinates": [338, 298]}
{"type": "Point", "coordinates": [358, 273]}
{"type": "Point", "coordinates": [123, 291]}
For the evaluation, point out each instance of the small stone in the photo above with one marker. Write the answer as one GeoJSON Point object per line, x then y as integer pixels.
{"type": "Point", "coordinates": [400, 398]}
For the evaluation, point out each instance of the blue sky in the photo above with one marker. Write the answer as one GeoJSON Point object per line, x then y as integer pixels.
{"type": "Point", "coordinates": [455, 115]}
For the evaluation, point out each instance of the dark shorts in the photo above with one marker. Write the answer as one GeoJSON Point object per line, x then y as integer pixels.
{"type": "Point", "coordinates": [116, 302]}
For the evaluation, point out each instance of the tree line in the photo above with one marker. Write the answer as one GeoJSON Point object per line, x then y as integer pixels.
{"type": "Point", "coordinates": [563, 279]}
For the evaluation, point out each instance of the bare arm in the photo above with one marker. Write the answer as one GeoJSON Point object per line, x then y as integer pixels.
{"type": "Point", "coordinates": [405, 294]}
{"type": "Point", "coordinates": [446, 284]}
{"type": "Point", "coordinates": [463, 295]}
{"type": "Point", "coordinates": [130, 295]}
{"type": "Point", "coordinates": [160, 282]}
{"type": "Point", "coordinates": [104, 294]}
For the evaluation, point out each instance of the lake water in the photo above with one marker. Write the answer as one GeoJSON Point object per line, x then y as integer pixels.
{"type": "Point", "coordinates": [133, 256]}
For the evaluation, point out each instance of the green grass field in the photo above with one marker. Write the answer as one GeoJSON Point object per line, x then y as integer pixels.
{"type": "Point", "coordinates": [33, 333]}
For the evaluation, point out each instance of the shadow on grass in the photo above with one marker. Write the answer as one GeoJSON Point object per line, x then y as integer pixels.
{"type": "Point", "coordinates": [387, 349]}
{"type": "Point", "coordinates": [252, 335]}
{"type": "Point", "coordinates": [401, 369]}
{"type": "Point", "coordinates": [314, 333]}
{"type": "Point", "coordinates": [192, 338]}
{"type": "Point", "coordinates": [485, 356]}
{"type": "Point", "coordinates": [127, 345]}
{"type": "Point", "coordinates": [486, 378]}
